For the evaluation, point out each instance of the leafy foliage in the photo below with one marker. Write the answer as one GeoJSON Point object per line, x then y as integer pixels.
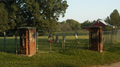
{"type": "Point", "coordinates": [69, 24]}
{"type": "Point", "coordinates": [75, 25]}
{"type": "Point", "coordinates": [42, 14]}
{"type": "Point", "coordinates": [115, 18]}
{"type": "Point", "coordinates": [86, 24]}
{"type": "Point", "coordinates": [3, 18]}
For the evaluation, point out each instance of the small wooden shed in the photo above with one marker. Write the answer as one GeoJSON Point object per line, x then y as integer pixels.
{"type": "Point", "coordinates": [27, 40]}
{"type": "Point", "coordinates": [95, 39]}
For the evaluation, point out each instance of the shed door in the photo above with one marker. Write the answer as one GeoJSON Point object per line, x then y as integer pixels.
{"type": "Point", "coordinates": [24, 42]}
{"type": "Point", "coordinates": [94, 39]}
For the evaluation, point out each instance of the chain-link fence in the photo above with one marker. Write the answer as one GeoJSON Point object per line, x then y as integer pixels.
{"type": "Point", "coordinates": [72, 43]}
{"type": "Point", "coordinates": [9, 44]}
{"type": "Point", "coordinates": [63, 41]}
{"type": "Point", "coordinates": [111, 41]}
{"type": "Point", "coordinates": [110, 37]}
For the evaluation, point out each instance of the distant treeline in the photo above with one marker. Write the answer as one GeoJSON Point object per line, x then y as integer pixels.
{"type": "Point", "coordinates": [70, 24]}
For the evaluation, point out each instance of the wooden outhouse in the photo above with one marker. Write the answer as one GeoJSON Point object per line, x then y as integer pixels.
{"type": "Point", "coordinates": [27, 40]}
{"type": "Point", "coordinates": [95, 39]}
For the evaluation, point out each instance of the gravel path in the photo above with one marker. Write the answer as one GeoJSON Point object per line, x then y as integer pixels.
{"type": "Point", "coordinates": [109, 65]}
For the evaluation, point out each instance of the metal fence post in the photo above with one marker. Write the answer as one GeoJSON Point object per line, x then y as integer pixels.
{"type": "Point", "coordinates": [50, 47]}
{"type": "Point", "coordinates": [5, 42]}
{"type": "Point", "coordinates": [37, 40]}
{"type": "Point", "coordinates": [64, 40]}
{"type": "Point", "coordinates": [16, 43]}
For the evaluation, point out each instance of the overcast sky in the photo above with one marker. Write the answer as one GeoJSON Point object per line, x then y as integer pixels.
{"type": "Point", "coordinates": [82, 10]}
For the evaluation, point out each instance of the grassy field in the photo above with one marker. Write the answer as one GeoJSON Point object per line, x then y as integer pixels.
{"type": "Point", "coordinates": [10, 44]}
{"type": "Point", "coordinates": [70, 44]}
{"type": "Point", "coordinates": [72, 57]}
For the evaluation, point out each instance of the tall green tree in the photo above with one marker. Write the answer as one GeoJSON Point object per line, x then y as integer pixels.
{"type": "Point", "coordinates": [115, 18]}
{"type": "Point", "coordinates": [42, 14]}
{"type": "Point", "coordinates": [11, 9]}
{"type": "Point", "coordinates": [3, 18]}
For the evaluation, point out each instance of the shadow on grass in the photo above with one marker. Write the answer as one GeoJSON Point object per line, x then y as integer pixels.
{"type": "Point", "coordinates": [115, 48]}
{"type": "Point", "coordinates": [56, 64]}
{"type": "Point", "coordinates": [10, 45]}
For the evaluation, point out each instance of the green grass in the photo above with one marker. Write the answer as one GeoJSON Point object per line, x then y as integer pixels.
{"type": "Point", "coordinates": [72, 57]}
{"type": "Point", "coordinates": [70, 43]}
{"type": "Point", "coordinates": [10, 44]}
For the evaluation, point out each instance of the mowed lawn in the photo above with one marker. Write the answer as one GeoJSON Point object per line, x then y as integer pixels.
{"type": "Point", "coordinates": [75, 55]}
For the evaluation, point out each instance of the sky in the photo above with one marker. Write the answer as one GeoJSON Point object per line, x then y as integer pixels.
{"type": "Point", "coordinates": [82, 10]}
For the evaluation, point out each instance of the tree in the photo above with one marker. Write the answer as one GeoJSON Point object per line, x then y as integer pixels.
{"type": "Point", "coordinates": [75, 25]}
{"type": "Point", "coordinates": [64, 26]}
{"type": "Point", "coordinates": [107, 20]}
{"type": "Point", "coordinates": [11, 9]}
{"type": "Point", "coordinates": [115, 18]}
{"type": "Point", "coordinates": [42, 14]}
{"type": "Point", "coordinates": [3, 18]}
{"type": "Point", "coordinates": [85, 24]}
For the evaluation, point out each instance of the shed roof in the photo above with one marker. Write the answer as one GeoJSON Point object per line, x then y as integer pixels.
{"type": "Point", "coordinates": [27, 28]}
{"type": "Point", "coordinates": [102, 21]}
